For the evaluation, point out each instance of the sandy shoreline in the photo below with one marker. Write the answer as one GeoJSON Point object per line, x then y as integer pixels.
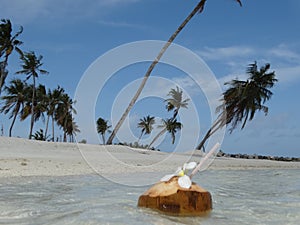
{"type": "Point", "coordinates": [21, 157]}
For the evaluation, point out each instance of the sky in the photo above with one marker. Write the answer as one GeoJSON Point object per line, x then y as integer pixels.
{"type": "Point", "coordinates": [76, 37]}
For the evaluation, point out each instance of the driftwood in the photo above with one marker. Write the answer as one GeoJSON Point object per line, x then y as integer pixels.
{"type": "Point", "coordinates": [170, 198]}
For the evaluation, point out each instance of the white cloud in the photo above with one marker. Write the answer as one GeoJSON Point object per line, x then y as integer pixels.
{"type": "Point", "coordinates": [284, 59]}
{"type": "Point", "coordinates": [288, 74]}
{"type": "Point", "coordinates": [284, 53]}
{"type": "Point", "coordinates": [22, 12]}
{"type": "Point", "coordinates": [285, 75]}
{"type": "Point", "coordinates": [225, 52]}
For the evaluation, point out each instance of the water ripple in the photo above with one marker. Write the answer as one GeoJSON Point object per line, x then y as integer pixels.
{"type": "Point", "coordinates": [239, 197]}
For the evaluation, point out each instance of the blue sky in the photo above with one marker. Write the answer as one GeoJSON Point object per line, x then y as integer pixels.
{"type": "Point", "coordinates": [71, 35]}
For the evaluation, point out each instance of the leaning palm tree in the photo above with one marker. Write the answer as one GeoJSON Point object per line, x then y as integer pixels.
{"type": "Point", "coordinates": [146, 125]}
{"type": "Point", "coordinates": [243, 99]}
{"type": "Point", "coordinates": [169, 125]}
{"type": "Point", "coordinates": [8, 43]}
{"type": "Point", "coordinates": [102, 128]}
{"type": "Point", "coordinates": [14, 100]}
{"type": "Point", "coordinates": [198, 9]}
{"type": "Point", "coordinates": [31, 68]}
{"type": "Point", "coordinates": [175, 102]}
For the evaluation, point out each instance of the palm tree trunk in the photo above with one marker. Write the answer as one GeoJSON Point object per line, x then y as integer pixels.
{"type": "Point", "coordinates": [65, 128]}
{"type": "Point", "coordinates": [65, 136]}
{"type": "Point", "coordinates": [201, 145]}
{"type": "Point", "coordinates": [14, 119]}
{"type": "Point", "coordinates": [52, 120]}
{"type": "Point", "coordinates": [47, 124]}
{"type": "Point", "coordinates": [156, 137]}
{"type": "Point", "coordinates": [216, 126]}
{"type": "Point", "coordinates": [198, 8]}
{"type": "Point", "coordinates": [103, 139]}
{"type": "Point", "coordinates": [32, 108]}
{"type": "Point", "coordinates": [3, 73]}
{"type": "Point", "coordinates": [140, 137]}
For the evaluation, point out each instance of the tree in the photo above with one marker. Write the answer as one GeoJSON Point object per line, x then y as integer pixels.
{"type": "Point", "coordinates": [40, 106]}
{"type": "Point", "coordinates": [8, 43]}
{"type": "Point", "coordinates": [39, 135]}
{"type": "Point", "coordinates": [175, 101]}
{"type": "Point", "coordinates": [146, 125]}
{"type": "Point", "coordinates": [199, 8]}
{"type": "Point", "coordinates": [102, 128]}
{"type": "Point", "coordinates": [14, 100]}
{"type": "Point", "coordinates": [71, 127]}
{"type": "Point", "coordinates": [243, 99]}
{"type": "Point", "coordinates": [53, 100]}
{"type": "Point", "coordinates": [169, 125]}
{"type": "Point", "coordinates": [31, 68]}
{"type": "Point", "coordinates": [63, 113]}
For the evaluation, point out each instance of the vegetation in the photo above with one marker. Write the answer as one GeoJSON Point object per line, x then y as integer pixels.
{"type": "Point", "coordinates": [169, 125]}
{"type": "Point", "coordinates": [146, 125]}
{"type": "Point", "coordinates": [22, 99]}
{"type": "Point", "coordinates": [31, 68]}
{"type": "Point", "coordinates": [39, 135]}
{"type": "Point", "coordinates": [102, 128]}
{"type": "Point", "coordinates": [243, 99]}
{"type": "Point", "coordinates": [175, 102]}
{"type": "Point", "coordinates": [137, 145]}
{"type": "Point", "coordinates": [198, 9]}
{"type": "Point", "coordinates": [8, 44]}
{"type": "Point", "coordinates": [14, 100]}
{"type": "Point", "coordinates": [54, 104]}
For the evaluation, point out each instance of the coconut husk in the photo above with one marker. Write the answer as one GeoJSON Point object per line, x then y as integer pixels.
{"type": "Point", "coordinates": [170, 198]}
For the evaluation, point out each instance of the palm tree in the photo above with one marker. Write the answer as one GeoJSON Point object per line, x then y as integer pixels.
{"type": "Point", "coordinates": [53, 100]}
{"type": "Point", "coordinates": [171, 126]}
{"type": "Point", "coordinates": [3, 74]}
{"type": "Point", "coordinates": [40, 106]}
{"type": "Point", "coordinates": [199, 8]}
{"type": "Point", "coordinates": [14, 100]}
{"type": "Point", "coordinates": [31, 68]}
{"type": "Point", "coordinates": [71, 127]}
{"type": "Point", "coordinates": [243, 99]}
{"type": "Point", "coordinates": [175, 101]}
{"type": "Point", "coordinates": [63, 113]}
{"type": "Point", "coordinates": [146, 124]}
{"type": "Point", "coordinates": [8, 43]}
{"type": "Point", "coordinates": [102, 128]}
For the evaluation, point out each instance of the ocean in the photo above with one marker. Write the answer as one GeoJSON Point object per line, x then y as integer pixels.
{"type": "Point", "coordinates": [239, 197]}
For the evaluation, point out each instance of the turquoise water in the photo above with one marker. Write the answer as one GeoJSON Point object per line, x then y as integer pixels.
{"type": "Point", "coordinates": [239, 197]}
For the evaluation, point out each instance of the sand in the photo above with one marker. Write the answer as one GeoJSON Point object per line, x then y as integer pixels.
{"type": "Point", "coordinates": [21, 157]}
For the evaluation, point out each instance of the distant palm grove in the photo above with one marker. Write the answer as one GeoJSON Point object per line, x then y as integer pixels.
{"type": "Point", "coordinates": [20, 99]}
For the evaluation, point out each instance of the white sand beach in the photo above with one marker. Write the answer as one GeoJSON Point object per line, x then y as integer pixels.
{"type": "Point", "coordinates": [21, 157]}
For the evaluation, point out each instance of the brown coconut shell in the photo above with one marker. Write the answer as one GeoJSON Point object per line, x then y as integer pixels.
{"type": "Point", "coordinates": [170, 198]}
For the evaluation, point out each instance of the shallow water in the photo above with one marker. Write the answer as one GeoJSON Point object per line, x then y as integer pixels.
{"type": "Point", "coordinates": [239, 197]}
